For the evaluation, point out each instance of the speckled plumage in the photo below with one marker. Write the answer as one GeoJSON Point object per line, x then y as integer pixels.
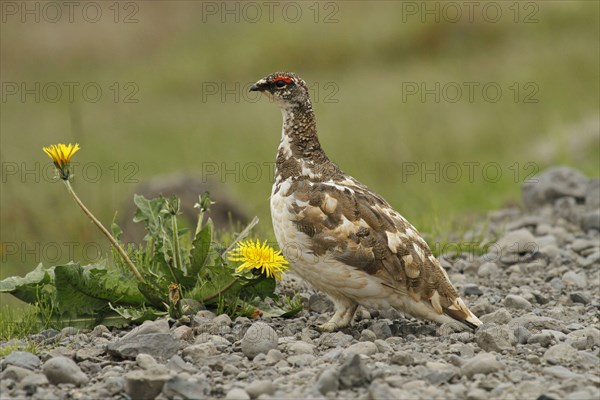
{"type": "Point", "coordinates": [343, 238]}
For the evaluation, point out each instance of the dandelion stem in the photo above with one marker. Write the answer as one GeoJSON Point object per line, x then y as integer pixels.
{"type": "Point", "coordinates": [106, 233]}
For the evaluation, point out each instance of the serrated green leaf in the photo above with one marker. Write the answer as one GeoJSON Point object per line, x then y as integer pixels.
{"type": "Point", "coordinates": [77, 291]}
{"type": "Point", "coordinates": [28, 287]}
{"type": "Point", "coordinates": [138, 314]}
{"type": "Point", "coordinates": [201, 247]}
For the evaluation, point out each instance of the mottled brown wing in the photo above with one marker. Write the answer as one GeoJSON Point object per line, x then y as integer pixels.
{"type": "Point", "coordinates": [353, 225]}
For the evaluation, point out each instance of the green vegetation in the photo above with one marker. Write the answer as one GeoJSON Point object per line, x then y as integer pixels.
{"type": "Point", "coordinates": [416, 151]}
{"type": "Point", "coordinates": [169, 268]}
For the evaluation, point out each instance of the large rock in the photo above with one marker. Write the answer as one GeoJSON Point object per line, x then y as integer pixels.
{"type": "Point", "coordinates": [159, 345]}
{"type": "Point", "coordinates": [552, 184]}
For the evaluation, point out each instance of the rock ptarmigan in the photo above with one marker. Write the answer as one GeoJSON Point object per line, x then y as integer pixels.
{"type": "Point", "coordinates": [343, 238]}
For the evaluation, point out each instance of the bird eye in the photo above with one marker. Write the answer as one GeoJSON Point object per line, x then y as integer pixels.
{"type": "Point", "coordinates": [280, 83]}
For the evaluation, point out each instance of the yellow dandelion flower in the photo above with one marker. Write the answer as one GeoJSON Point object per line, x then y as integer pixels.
{"type": "Point", "coordinates": [61, 156]}
{"type": "Point", "coordinates": [261, 257]}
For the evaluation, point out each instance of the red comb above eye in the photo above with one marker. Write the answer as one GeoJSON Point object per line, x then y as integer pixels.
{"type": "Point", "coordinates": [284, 78]}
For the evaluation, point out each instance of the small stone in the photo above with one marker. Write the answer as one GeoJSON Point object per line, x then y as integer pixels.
{"type": "Point", "coordinates": [199, 353]}
{"type": "Point", "coordinates": [378, 391]}
{"type": "Point", "coordinates": [15, 373]}
{"type": "Point", "coordinates": [237, 394]}
{"type": "Point", "coordinates": [259, 387]}
{"type": "Point", "coordinates": [100, 331]}
{"type": "Point", "coordinates": [579, 297]}
{"type": "Point", "coordinates": [402, 359]}
{"type": "Point", "coordinates": [22, 359]}
{"type": "Point", "coordinates": [274, 356]}
{"type": "Point", "coordinates": [494, 338]}
{"type": "Point", "coordinates": [367, 335]}
{"type": "Point", "coordinates": [439, 373]}
{"type": "Point", "coordinates": [552, 184]}
{"type": "Point", "coordinates": [328, 381]}
{"type": "Point", "coordinates": [498, 317]}
{"type": "Point", "coordinates": [145, 384]}
{"type": "Point", "coordinates": [472, 290]}
{"type": "Point", "coordinates": [482, 363]}
{"type": "Point", "coordinates": [522, 334]}
{"type": "Point", "coordinates": [364, 348]}
{"type": "Point", "coordinates": [517, 302]}
{"type": "Point", "coordinates": [177, 364]}
{"type": "Point", "coordinates": [69, 331]}
{"type": "Point", "coordinates": [64, 370]}
{"type": "Point", "coordinates": [183, 332]}
{"type": "Point", "coordinates": [574, 279]}
{"type": "Point", "coordinates": [114, 385]}
{"type": "Point", "coordinates": [230, 369]}
{"type": "Point", "coordinates": [145, 361]}
{"type": "Point", "coordinates": [543, 339]}
{"type": "Point", "coordinates": [301, 348]}
{"type": "Point", "coordinates": [222, 319]}
{"type": "Point", "coordinates": [584, 338]}
{"type": "Point", "coordinates": [560, 372]}
{"type": "Point", "coordinates": [562, 353]}
{"type": "Point", "coordinates": [32, 382]}
{"type": "Point", "coordinates": [557, 284]}
{"type": "Point", "coordinates": [320, 303]}
{"type": "Point", "coordinates": [514, 245]}
{"type": "Point", "coordinates": [381, 328]}
{"type": "Point", "coordinates": [353, 372]}
{"type": "Point", "coordinates": [488, 270]}
{"type": "Point", "coordinates": [301, 360]}
{"type": "Point", "coordinates": [337, 339]}
{"type": "Point", "coordinates": [178, 387]}
{"type": "Point", "coordinates": [591, 220]}
{"type": "Point", "coordinates": [259, 338]}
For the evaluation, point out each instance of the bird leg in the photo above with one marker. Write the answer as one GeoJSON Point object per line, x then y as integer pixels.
{"type": "Point", "coordinates": [344, 312]}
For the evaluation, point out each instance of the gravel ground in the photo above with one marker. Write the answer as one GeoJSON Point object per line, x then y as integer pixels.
{"type": "Point", "coordinates": [536, 291]}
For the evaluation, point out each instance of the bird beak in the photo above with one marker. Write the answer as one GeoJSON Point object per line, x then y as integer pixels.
{"type": "Point", "coordinates": [259, 86]}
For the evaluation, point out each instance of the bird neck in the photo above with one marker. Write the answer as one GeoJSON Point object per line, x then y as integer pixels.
{"type": "Point", "coordinates": [300, 152]}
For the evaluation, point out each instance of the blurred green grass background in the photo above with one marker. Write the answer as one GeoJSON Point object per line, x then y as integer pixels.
{"type": "Point", "coordinates": [360, 65]}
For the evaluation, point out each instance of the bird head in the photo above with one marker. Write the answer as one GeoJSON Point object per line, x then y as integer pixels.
{"type": "Point", "coordinates": [287, 89]}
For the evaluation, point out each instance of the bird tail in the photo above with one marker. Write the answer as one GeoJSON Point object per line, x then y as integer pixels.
{"type": "Point", "coordinates": [459, 311]}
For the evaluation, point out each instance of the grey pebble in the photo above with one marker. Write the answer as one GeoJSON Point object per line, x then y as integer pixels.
{"type": "Point", "coordinates": [237, 394]}
{"type": "Point", "coordinates": [15, 373]}
{"type": "Point", "coordinates": [517, 302]}
{"type": "Point", "coordinates": [354, 373]}
{"type": "Point", "coordinates": [574, 279]}
{"type": "Point", "coordinates": [328, 381]}
{"type": "Point", "coordinates": [580, 297]}
{"type": "Point", "coordinates": [145, 384]}
{"type": "Point", "coordinates": [177, 387]}
{"type": "Point", "coordinates": [259, 338]}
{"type": "Point", "coordinates": [260, 387]}
{"type": "Point", "coordinates": [494, 338]}
{"type": "Point", "coordinates": [482, 363]}
{"type": "Point", "coordinates": [21, 359]}
{"type": "Point", "coordinates": [64, 370]}
{"type": "Point", "coordinates": [365, 348]}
